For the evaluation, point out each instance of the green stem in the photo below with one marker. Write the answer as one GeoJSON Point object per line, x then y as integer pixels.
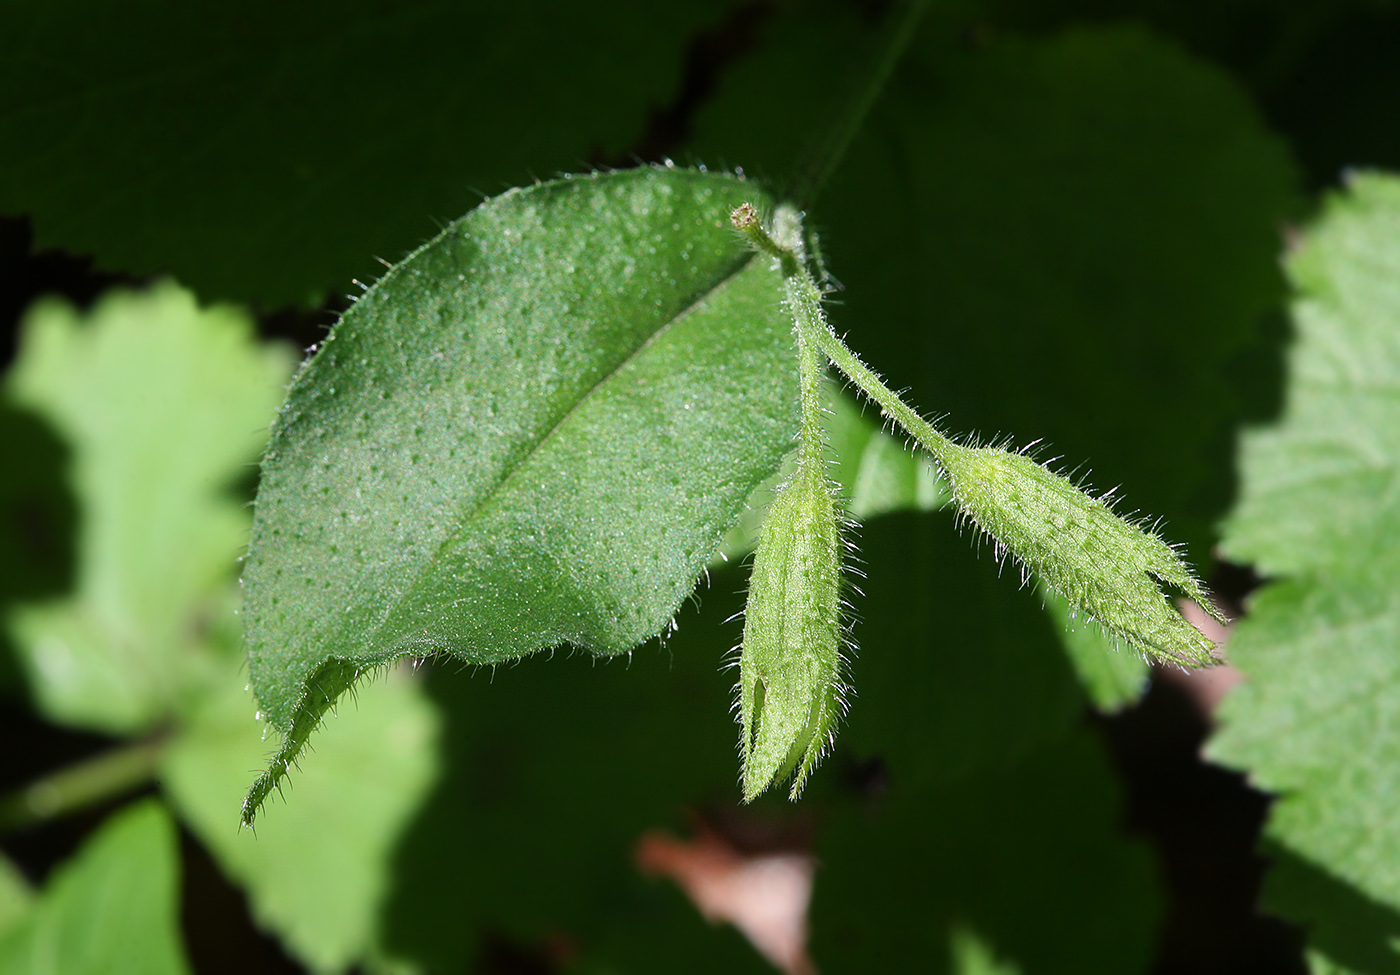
{"type": "Point", "coordinates": [869, 383]}
{"type": "Point", "coordinates": [1026, 508]}
{"type": "Point", "coordinates": [811, 368]}
{"type": "Point", "coordinates": [814, 332]}
{"type": "Point", "coordinates": [805, 302]}
{"type": "Point", "coordinates": [848, 123]}
{"type": "Point", "coordinates": [80, 786]}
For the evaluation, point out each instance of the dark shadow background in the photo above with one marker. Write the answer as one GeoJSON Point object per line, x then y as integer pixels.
{"type": "Point", "coordinates": [1322, 75]}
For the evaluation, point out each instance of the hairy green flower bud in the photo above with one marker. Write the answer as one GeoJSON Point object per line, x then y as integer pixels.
{"type": "Point", "coordinates": [791, 686]}
{"type": "Point", "coordinates": [1106, 566]}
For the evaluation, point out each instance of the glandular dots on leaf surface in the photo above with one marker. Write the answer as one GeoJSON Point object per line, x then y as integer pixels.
{"type": "Point", "coordinates": [562, 450]}
{"type": "Point", "coordinates": [473, 415]}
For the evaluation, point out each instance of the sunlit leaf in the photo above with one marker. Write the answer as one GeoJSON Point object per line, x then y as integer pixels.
{"type": "Point", "coordinates": [1317, 719]}
{"type": "Point", "coordinates": [532, 432]}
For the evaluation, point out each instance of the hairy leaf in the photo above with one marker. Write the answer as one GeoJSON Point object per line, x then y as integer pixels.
{"type": "Point", "coordinates": [532, 432]}
{"type": "Point", "coordinates": [1317, 720]}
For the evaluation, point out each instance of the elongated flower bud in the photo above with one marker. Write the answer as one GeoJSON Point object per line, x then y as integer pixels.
{"type": "Point", "coordinates": [1105, 565]}
{"type": "Point", "coordinates": [791, 687]}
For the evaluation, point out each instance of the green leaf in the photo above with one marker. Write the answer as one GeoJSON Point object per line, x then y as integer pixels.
{"type": "Point", "coordinates": [766, 112]}
{"type": "Point", "coordinates": [16, 898]}
{"type": "Point", "coordinates": [878, 473]}
{"type": "Point", "coordinates": [554, 767]}
{"type": "Point", "coordinates": [317, 869]}
{"type": "Point", "coordinates": [267, 152]}
{"type": "Point", "coordinates": [112, 909]}
{"type": "Point", "coordinates": [1317, 719]}
{"type": "Point", "coordinates": [162, 406]}
{"type": "Point", "coordinates": [973, 956]}
{"type": "Point", "coordinates": [533, 432]}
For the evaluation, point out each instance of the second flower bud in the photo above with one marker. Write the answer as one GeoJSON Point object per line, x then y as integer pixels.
{"type": "Point", "coordinates": [791, 672]}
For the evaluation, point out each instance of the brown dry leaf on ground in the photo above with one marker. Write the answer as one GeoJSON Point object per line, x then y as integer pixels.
{"type": "Point", "coordinates": [765, 896]}
{"type": "Point", "coordinates": [1208, 686]}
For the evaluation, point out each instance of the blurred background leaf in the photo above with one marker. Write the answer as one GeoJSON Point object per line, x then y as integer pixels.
{"type": "Point", "coordinates": [16, 897]}
{"type": "Point", "coordinates": [113, 909]}
{"type": "Point", "coordinates": [985, 801]}
{"type": "Point", "coordinates": [318, 867]}
{"type": "Point", "coordinates": [1318, 720]}
{"type": "Point", "coordinates": [164, 407]}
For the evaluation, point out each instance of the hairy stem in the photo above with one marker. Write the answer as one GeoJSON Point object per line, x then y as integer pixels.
{"type": "Point", "coordinates": [815, 335]}
{"type": "Point", "coordinates": [869, 383]}
{"type": "Point", "coordinates": [1110, 568]}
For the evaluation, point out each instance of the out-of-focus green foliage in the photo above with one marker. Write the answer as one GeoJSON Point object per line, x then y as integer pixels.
{"type": "Point", "coordinates": [1318, 721]}
{"type": "Point", "coordinates": [1060, 221]}
{"type": "Point", "coordinates": [266, 152]}
{"type": "Point", "coordinates": [163, 406]}
{"type": "Point", "coordinates": [113, 908]}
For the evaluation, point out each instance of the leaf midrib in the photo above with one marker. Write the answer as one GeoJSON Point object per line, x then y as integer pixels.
{"type": "Point", "coordinates": [489, 498]}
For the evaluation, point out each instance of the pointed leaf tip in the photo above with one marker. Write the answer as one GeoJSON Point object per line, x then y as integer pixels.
{"type": "Point", "coordinates": [532, 431]}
